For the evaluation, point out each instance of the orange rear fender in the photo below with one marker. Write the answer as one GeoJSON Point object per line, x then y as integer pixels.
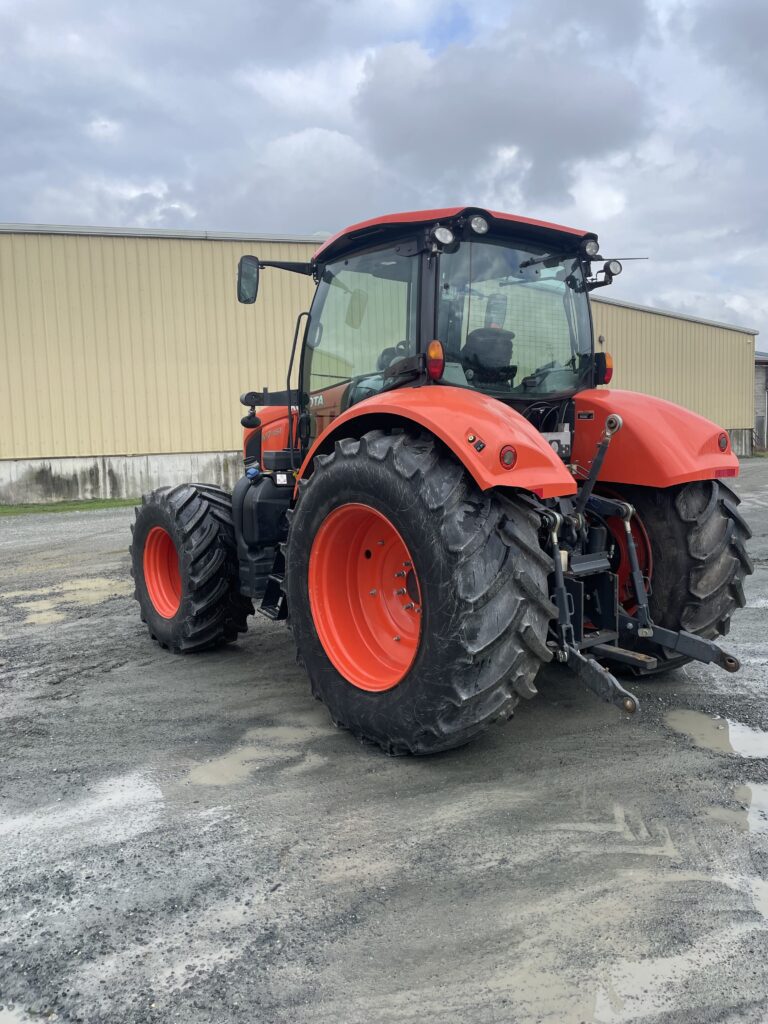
{"type": "Point", "coordinates": [659, 445]}
{"type": "Point", "coordinates": [475, 428]}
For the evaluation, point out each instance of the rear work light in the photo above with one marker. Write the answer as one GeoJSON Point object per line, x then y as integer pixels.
{"type": "Point", "coordinates": [443, 234]}
{"type": "Point", "coordinates": [591, 248]}
{"type": "Point", "coordinates": [435, 360]}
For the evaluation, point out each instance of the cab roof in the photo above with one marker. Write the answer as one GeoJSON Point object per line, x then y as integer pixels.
{"type": "Point", "coordinates": [379, 228]}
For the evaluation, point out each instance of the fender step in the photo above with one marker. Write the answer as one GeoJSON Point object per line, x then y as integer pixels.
{"type": "Point", "coordinates": [274, 605]}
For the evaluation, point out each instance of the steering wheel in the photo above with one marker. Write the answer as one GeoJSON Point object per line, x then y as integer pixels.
{"type": "Point", "coordinates": [537, 378]}
{"type": "Point", "coordinates": [392, 354]}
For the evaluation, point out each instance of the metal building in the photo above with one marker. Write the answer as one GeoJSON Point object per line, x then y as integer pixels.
{"type": "Point", "coordinates": [124, 352]}
{"type": "Point", "coordinates": [761, 399]}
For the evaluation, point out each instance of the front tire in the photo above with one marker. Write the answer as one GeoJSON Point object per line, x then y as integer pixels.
{"type": "Point", "coordinates": [434, 675]}
{"type": "Point", "coordinates": [698, 546]}
{"type": "Point", "coordinates": [184, 565]}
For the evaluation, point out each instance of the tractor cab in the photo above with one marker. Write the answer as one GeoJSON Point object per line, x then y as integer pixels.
{"type": "Point", "coordinates": [464, 298]}
{"type": "Point", "coordinates": [483, 301]}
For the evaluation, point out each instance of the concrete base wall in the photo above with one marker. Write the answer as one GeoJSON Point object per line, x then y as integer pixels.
{"type": "Point", "coordinates": [34, 481]}
{"type": "Point", "coordinates": [741, 442]}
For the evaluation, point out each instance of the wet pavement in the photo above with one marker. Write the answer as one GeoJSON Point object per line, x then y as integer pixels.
{"type": "Point", "coordinates": [190, 839]}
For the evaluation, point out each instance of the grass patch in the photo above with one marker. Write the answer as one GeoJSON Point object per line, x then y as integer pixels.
{"type": "Point", "coordinates": [68, 506]}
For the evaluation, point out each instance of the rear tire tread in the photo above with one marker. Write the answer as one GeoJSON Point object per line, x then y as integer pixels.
{"type": "Point", "coordinates": [505, 606]}
{"type": "Point", "coordinates": [701, 548]}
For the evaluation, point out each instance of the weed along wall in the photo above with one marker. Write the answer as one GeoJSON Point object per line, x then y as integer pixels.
{"type": "Point", "coordinates": [124, 353]}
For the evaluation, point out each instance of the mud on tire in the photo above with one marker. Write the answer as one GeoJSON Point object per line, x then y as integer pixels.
{"type": "Point", "coordinates": [211, 611]}
{"type": "Point", "coordinates": [698, 541]}
{"type": "Point", "coordinates": [483, 582]}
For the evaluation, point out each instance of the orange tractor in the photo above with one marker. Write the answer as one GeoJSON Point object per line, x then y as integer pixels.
{"type": "Point", "coordinates": [446, 499]}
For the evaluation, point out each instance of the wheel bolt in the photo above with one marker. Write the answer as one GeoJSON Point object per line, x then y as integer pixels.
{"type": "Point", "coordinates": [408, 606]}
{"type": "Point", "coordinates": [372, 593]}
{"type": "Point", "coordinates": [400, 592]}
{"type": "Point", "coordinates": [408, 564]}
{"type": "Point", "coordinates": [396, 638]}
{"type": "Point", "coordinates": [399, 573]}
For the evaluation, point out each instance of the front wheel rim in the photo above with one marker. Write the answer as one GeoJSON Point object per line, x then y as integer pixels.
{"type": "Point", "coordinates": [365, 598]}
{"type": "Point", "coordinates": [161, 572]}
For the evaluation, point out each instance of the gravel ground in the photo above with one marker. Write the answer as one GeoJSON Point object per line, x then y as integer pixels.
{"type": "Point", "coordinates": [189, 839]}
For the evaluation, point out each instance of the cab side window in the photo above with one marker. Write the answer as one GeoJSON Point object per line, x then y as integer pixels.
{"type": "Point", "coordinates": [362, 319]}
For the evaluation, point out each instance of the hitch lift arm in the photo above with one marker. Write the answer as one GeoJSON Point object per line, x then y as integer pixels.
{"type": "Point", "coordinates": [596, 678]}
{"type": "Point", "coordinates": [641, 624]}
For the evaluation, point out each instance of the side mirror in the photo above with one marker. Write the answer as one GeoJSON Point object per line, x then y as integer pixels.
{"type": "Point", "coordinates": [358, 303]}
{"type": "Point", "coordinates": [247, 279]}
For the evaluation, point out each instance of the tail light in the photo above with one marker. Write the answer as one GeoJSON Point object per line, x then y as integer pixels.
{"type": "Point", "coordinates": [603, 367]}
{"type": "Point", "coordinates": [608, 374]}
{"type": "Point", "coordinates": [435, 360]}
{"type": "Point", "coordinates": [722, 442]}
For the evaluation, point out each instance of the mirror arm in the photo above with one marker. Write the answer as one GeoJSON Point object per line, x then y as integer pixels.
{"type": "Point", "coordinates": [597, 283]}
{"type": "Point", "coordinates": [295, 268]}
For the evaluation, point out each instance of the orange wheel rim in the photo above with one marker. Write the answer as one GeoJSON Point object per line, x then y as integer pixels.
{"type": "Point", "coordinates": [365, 597]}
{"type": "Point", "coordinates": [161, 572]}
{"type": "Point", "coordinates": [627, 596]}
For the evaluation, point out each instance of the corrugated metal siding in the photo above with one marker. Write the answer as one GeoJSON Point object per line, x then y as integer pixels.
{"type": "Point", "coordinates": [761, 386]}
{"type": "Point", "coordinates": [118, 346]}
{"type": "Point", "coordinates": [705, 368]}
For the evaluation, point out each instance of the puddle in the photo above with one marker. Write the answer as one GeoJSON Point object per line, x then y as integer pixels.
{"type": "Point", "coordinates": [45, 605]}
{"type": "Point", "coordinates": [40, 613]}
{"type": "Point", "coordinates": [12, 1015]}
{"type": "Point", "coordinates": [264, 746]}
{"type": "Point", "coordinates": [754, 815]}
{"type": "Point", "coordinates": [722, 735]}
{"type": "Point", "coordinates": [233, 767]}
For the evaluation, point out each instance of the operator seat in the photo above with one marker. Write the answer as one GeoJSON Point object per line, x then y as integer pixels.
{"type": "Point", "coordinates": [487, 353]}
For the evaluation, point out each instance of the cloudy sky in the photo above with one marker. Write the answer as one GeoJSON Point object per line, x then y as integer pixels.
{"type": "Point", "coordinates": [644, 120]}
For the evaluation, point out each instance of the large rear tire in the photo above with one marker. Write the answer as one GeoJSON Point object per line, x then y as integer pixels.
{"type": "Point", "coordinates": [698, 547]}
{"type": "Point", "coordinates": [184, 565]}
{"type": "Point", "coordinates": [427, 659]}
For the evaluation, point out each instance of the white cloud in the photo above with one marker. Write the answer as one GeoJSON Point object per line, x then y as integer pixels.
{"type": "Point", "coordinates": [322, 90]}
{"type": "Point", "coordinates": [642, 123]}
{"type": "Point", "coordinates": [102, 128]}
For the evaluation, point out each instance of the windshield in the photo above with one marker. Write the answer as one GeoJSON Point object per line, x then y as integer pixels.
{"type": "Point", "coordinates": [512, 324]}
